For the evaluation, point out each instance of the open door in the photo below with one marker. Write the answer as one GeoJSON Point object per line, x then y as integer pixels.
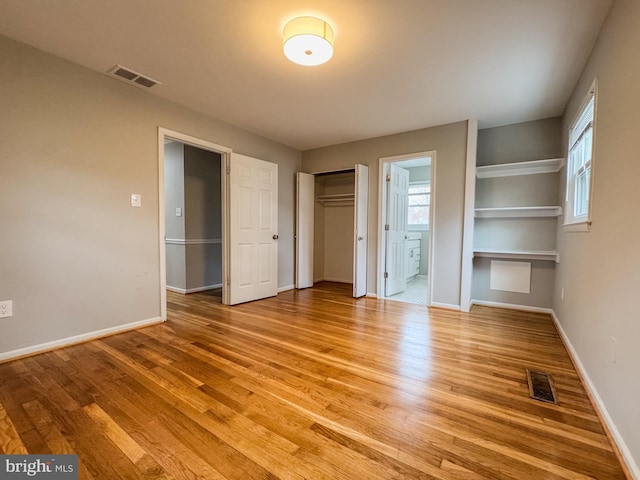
{"type": "Point", "coordinates": [305, 185]}
{"type": "Point", "coordinates": [360, 231]}
{"type": "Point", "coordinates": [252, 233]}
{"type": "Point", "coordinates": [396, 229]}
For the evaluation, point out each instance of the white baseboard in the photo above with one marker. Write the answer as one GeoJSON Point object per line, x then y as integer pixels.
{"type": "Point", "coordinates": [633, 467]}
{"type": "Point", "coordinates": [447, 306]}
{"type": "Point", "coordinates": [372, 295]}
{"type": "Point", "coordinates": [194, 290]}
{"type": "Point", "coordinates": [338, 280]}
{"type": "Point", "coordinates": [84, 337]}
{"type": "Point", "coordinates": [286, 288]}
{"type": "Point", "coordinates": [511, 306]}
{"type": "Point", "coordinates": [176, 289]}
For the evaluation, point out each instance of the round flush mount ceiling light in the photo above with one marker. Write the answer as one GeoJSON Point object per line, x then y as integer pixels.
{"type": "Point", "coordinates": [308, 41]}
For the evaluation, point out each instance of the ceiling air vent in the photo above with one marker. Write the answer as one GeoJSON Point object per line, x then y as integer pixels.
{"type": "Point", "coordinates": [132, 77]}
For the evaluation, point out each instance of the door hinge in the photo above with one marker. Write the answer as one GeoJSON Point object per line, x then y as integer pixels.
{"type": "Point", "coordinates": [229, 280]}
{"type": "Point", "coordinates": [228, 169]}
{"type": "Point", "coordinates": [388, 178]}
{"type": "Point", "coordinates": [386, 274]}
{"type": "Point", "coordinates": [386, 227]}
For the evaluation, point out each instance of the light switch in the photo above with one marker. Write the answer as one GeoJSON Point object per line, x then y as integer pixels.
{"type": "Point", "coordinates": [178, 212]}
{"type": "Point", "coordinates": [136, 200]}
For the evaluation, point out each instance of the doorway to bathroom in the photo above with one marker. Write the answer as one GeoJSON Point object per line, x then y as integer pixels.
{"type": "Point", "coordinates": [407, 187]}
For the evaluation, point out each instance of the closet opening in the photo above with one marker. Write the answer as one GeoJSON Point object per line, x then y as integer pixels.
{"type": "Point", "coordinates": [406, 226]}
{"type": "Point", "coordinates": [331, 228]}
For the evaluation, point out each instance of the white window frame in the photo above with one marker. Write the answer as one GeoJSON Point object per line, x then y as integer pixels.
{"type": "Point", "coordinates": [419, 226]}
{"type": "Point", "coordinates": [578, 131]}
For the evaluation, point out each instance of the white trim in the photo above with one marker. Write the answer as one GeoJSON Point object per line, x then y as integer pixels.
{"type": "Point", "coordinates": [192, 241]}
{"type": "Point", "coordinates": [466, 270]}
{"type": "Point", "coordinates": [286, 288]}
{"type": "Point", "coordinates": [84, 337]}
{"type": "Point", "coordinates": [447, 306]}
{"type": "Point", "coordinates": [633, 467]}
{"type": "Point", "coordinates": [176, 289]}
{"type": "Point", "coordinates": [576, 227]}
{"type": "Point", "coordinates": [382, 212]}
{"type": "Point", "coordinates": [432, 227]}
{"type": "Point", "coordinates": [372, 295]}
{"type": "Point", "coordinates": [193, 290]}
{"type": "Point", "coordinates": [569, 219]}
{"type": "Point", "coordinates": [512, 306]}
{"type": "Point", "coordinates": [337, 280]}
{"type": "Point", "coordinates": [165, 133]}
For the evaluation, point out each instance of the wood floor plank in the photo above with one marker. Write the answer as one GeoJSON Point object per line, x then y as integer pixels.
{"type": "Point", "coordinates": [10, 442]}
{"type": "Point", "coordinates": [311, 384]}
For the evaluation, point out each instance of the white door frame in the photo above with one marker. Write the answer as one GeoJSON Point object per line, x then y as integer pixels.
{"type": "Point", "coordinates": [164, 133]}
{"type": "Point", "coordinates": [382, 214]}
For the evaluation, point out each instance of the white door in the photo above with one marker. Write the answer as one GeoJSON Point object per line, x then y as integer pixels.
{"type": "Point", "coordinates": [396, 229]}
{"type": "Point", "coordinates": [360, 231]}
{"type": "Point", "coordinates": [305, 185]}
{"type": "Point", "coordinates": [253, 229]}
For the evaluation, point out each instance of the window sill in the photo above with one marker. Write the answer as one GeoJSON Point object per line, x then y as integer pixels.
{"type": "Point", "coordinates": [577, 227]}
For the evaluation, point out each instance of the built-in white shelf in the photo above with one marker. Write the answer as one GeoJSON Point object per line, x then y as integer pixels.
{"type": "Point", "coordinates": [337, 200]}
{"type": "Point", "coordinates": [534, 167]}
{"type": "Point", "coordinates": [518, 254]}
{"type": "Point", "coordinates": [518, 212]}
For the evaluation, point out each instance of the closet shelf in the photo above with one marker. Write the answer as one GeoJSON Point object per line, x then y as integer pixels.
{"type": "Point", "coordinates": [336, 200]}
{"type": "Point", "coordinates": [534, 167]}
{"type": "Point", "coordinates": [518, 212]}
{"type": "Point", "coordinates": [551, 255]}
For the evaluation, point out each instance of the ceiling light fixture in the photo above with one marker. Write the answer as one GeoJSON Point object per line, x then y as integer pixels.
{"type": "Point", "coordinates": [308, 41]}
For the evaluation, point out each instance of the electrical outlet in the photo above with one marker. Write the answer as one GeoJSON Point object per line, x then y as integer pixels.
{"type": "Point", "coordinates": [6, 309]}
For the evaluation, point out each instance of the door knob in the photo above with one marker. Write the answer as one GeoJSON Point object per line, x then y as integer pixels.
{"type": "Point", "coordinates": [275, 237]}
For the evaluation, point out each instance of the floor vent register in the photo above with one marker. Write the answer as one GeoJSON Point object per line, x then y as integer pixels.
{"type": "Point", "coordinates": [541, 387]}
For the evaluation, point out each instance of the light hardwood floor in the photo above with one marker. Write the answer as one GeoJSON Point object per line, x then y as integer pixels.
{"type": "Point", "coordinates": [310, 384]}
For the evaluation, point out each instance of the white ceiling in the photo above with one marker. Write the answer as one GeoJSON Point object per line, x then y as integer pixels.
{"type": "Point", "coordinates": [399, 65]}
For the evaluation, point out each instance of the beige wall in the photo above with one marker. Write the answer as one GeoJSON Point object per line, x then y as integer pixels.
{"type": "Point", "coordinates": [600, 270]}
{"type": "Point", "coordinates": [74, 144]}
{"type": "Point", "coordinates": [450, 143]}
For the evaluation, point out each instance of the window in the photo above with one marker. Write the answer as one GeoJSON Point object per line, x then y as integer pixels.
{"type": "Point", "coordinates": [580, 163]}
{"type": "Point", "coordinates": [419, 200]}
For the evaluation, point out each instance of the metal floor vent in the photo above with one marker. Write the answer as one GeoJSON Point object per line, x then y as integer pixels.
{"type": "Point", "coordinates": [541, 387]}
{"type": "Point", "coordinates": [132, 77]}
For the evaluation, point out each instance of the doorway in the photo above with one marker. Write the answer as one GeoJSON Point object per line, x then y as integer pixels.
{"type": "Point", "coordinates": [193, 218]}
{"type": "Point", "coordinates": [191, 255]}
{"type": "Point", "coordinates": [406, 227]}
{"type": "Point", "coordinates": [249, 222]}
{"type": "Point", "coordinates": [332, 227]}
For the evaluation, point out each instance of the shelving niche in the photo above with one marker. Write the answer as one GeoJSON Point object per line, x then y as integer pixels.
{"type": "Point", "coordinates": [503, 219]}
